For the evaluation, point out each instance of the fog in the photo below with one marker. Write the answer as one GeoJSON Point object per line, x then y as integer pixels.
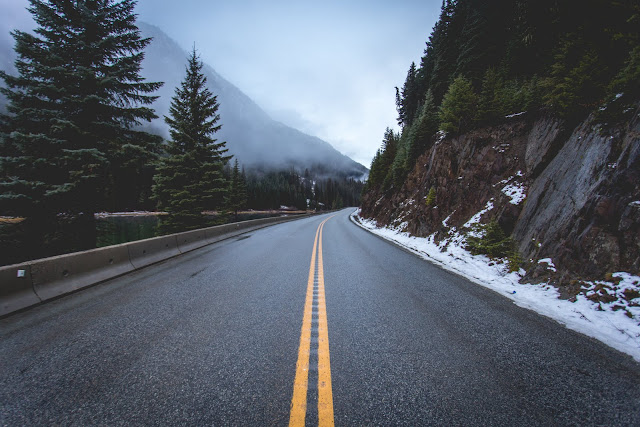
{"type": "Point", "coordinates": [327, 68]}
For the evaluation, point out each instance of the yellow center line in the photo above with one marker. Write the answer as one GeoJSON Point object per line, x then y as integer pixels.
{"type": "Point", "coordinates": [325, 396]}
{"type": "Point", "coordinates": [301, 382]}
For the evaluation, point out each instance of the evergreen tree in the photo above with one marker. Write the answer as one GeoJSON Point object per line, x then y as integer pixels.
{"type": "Point", "coordinates": [576, 83]}
{"type": "Point", "coordinates": [190, 179]}
{"type": "Point", "coordinates": [422, 130]}
{"type": "Point", "coordinates": [490, 101]}
{"type": "Point", "coordinates": [458, 106]}
{"type": "Point", "coordinates": [408, 102]}
{"type": "Point", "coordinates": [237, 193]}
{"type": "Point", "coordinates": [72, 113]}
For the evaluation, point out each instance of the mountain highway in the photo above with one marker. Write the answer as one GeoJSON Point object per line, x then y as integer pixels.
{"type": "Point", "coordinates": [314, 321]}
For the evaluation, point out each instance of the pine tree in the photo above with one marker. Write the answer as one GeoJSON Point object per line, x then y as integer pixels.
{"type": "Point", "coordinates": [237, 194]}
{"type": "Point", "coordinates": [490, 101]}
{"type": "Point", "coordinates": [422, 130]}
{"type": "Point", "coordinates": [190, 179]}
{"type": "Point", "coordinates": [408, 101]}
{"type": "Point", "coordinates": [72, 113]}
{"type": "Point", "coordinates": [458, 106]}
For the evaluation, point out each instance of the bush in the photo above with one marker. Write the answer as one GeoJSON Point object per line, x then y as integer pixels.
{"type": "Point", "coordinates": [494, 243]}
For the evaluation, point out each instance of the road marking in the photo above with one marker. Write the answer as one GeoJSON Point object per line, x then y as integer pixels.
{"type": "Point", "coordinates": [315, 289]}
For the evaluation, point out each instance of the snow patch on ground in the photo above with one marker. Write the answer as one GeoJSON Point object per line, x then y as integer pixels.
{"type": "Point", "coordinates": [587, 314]}
{"type": "Point", "coordinates": [510, 116]}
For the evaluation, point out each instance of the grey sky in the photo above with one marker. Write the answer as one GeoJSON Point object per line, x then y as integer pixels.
{"type": "Point", "coordinates": [328, 68]}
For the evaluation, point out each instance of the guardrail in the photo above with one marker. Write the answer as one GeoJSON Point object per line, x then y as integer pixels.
{"type": "Point", "coordinates": [32, 282]}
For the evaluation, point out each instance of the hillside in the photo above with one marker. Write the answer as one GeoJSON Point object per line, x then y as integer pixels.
{"type": "Point", "coordinates": [571, 195]}
{"type": "Point", "coordinates": [521, 139]}
{"type": "Point", "coordinates": [257, 140]}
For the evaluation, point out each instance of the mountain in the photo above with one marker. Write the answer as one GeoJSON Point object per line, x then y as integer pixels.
{"type": "Point", "coordinates": [252, 136]}
{"type": "Point", "coordinates": [258, 141]}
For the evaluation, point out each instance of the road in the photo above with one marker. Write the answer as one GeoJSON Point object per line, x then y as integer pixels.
{"type": "Point", "coordinates": [366, 333]}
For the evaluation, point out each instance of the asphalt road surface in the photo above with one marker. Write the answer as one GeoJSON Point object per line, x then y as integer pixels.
{"type": "Point", "coordinates": [366, 333]}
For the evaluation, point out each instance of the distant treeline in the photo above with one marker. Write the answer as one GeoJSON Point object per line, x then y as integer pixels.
{"type": "Point", "coordinates": [287, 188]}
{"type": "Point", "coordinates": [488, 59]}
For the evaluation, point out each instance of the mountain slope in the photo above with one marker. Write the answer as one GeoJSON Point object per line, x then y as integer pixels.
{"type": "Point", "coordinates": [251, 135]}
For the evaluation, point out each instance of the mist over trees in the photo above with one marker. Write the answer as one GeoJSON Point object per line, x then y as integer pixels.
{"type": "Point", "coordinates": [73, 139]}
{"type": "Point", "coordinates": [488, 59]}
{"type": "Point", "coordinates": [258, 141]}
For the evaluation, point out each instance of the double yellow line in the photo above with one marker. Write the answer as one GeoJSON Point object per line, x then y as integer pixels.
{"type": "Point", "coordinates": [301, 382]}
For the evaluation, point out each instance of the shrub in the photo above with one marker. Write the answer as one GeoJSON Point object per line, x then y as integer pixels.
{"type": "Point", "coordinates": [492, 241]}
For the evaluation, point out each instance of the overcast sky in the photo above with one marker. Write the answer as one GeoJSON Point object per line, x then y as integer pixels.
{"type": "Point", "coordinates": [326, 67]}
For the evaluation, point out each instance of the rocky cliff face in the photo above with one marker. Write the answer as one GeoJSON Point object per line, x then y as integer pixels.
{"type": "Point", "coordinates": [572, 195]}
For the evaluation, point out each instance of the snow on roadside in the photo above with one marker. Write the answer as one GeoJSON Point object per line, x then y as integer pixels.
{"type": "Point", "coordinates": [601, 321]}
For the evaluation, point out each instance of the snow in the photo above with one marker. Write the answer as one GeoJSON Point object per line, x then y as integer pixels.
{"type": "Point", "coordinates": [636, 203]}
{"type": "Point", "coordinates": [131, 213]}
{"type": "Point", "coordinates": [476, 218]}
{"type": "Point", "coordinates": [550, 265]}
{"type": "Point", "coordinates": [447, 219]}
{"type": "Point", "coordinates": [510, 116]}
{"type": "Point", "coordinates": [516, 192]}
{"type": "Point", "coordinates": [605, 322]}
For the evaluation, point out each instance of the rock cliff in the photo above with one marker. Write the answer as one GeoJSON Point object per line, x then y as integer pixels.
{"type": "Point", "coordinates": [569, 194]}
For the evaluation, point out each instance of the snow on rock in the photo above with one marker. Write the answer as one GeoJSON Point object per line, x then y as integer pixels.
{"type": "Point", "coordinates": [616, 322]}
{"type": "Point", "coordinates": [516, 192]}
{"type": "Point", "coordinates": [550, 265]}
{"type": "Point", "coordinates": [476, 218]}
{"type": "Point", "coordinates": [446, 220]}
{"type": "Point", "coordinates": [510, 116]}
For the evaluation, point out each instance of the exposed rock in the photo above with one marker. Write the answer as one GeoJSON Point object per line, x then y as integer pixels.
{"type": "Point", "coordinates": [582, 206]}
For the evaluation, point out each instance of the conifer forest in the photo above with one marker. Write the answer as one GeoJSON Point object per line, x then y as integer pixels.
{"type": "Point", "coordinates": [485, 60]}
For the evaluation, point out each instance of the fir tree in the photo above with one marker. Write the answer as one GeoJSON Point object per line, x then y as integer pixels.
{"type": "Point", "coordinates": [73, 108]}
{"type": "Point", "coordinates": [458, 106]}
{"type": "Point", "coordinates": [237, 194]}
{"type": "Point", "coordinates": [490, 101]}
{"type": "Point", "coordinates": [422, 130]}
{"type": "Point", "coordinates": [190, 179]}
{"type": "Point", "coordinates": [408, 101]}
